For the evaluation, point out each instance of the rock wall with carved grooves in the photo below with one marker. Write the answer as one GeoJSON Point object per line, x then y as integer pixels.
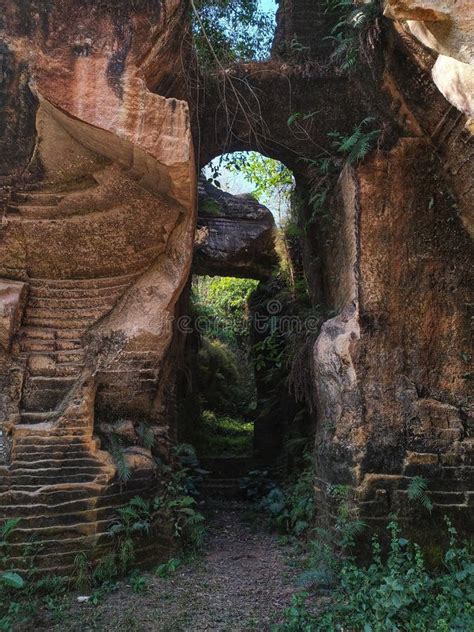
{"type": "Point", "coordinates": [96, 246]}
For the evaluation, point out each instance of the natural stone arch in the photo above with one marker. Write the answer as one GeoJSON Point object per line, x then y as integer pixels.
{"type": "Point", "coordinates": [389, 369]}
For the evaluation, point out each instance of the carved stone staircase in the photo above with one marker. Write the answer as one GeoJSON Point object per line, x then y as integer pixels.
{"type": "Point", "coordinates": [58, 313]}
{"type": "Point", "coordinates": [65, 491]}
{"type": "Point", "coordinates": [43, 203]}
{"type": "Point", "coordinates": [56, 479]}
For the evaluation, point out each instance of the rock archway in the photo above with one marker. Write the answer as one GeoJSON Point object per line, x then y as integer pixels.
{"type": "Point", "coordinates": [99, 211]}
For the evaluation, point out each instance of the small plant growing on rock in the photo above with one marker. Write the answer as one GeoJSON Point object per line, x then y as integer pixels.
{"type": "Point", "coordinates": [417, 491]}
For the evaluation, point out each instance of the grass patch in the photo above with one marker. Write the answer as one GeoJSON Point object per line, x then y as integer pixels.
{"type": "Point", "coordinates": [223, 435]}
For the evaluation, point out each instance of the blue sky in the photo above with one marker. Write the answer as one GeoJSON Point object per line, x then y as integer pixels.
{"type": "Point", "coordinates": [268, 5]}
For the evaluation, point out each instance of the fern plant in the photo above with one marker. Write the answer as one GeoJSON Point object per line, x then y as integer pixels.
{"type": "Point", "coordinates": [118, 455]}
{"type": "Point", "coordinates": [357, 145]}
{"type": "Point", "coordinates": [355, 33]}
{"type": "Point", "coordinates": [417, 492]}
{"type": "Point", "coordinates": [396, 592]}
{"type": "Point", "coordinates": [146, 435]}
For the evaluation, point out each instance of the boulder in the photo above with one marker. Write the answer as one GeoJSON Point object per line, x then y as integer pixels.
{"type": "Point", "coordinates": [235, 235]}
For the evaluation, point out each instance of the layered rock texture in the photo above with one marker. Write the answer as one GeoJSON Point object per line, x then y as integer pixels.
{"type": "Point", "coordinates": [98, 199]}
{"type": "Point", "coordinates": [235, 235]}
{"type": "Point", "coordinates": [392, 369]}
{"type": "Point", "coordinates": [96, 245]}
{"type": "Point", "coordinates": [446, 27]}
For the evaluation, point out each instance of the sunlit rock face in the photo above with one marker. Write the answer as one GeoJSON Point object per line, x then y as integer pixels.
{"type": "Point", "coordinates": [96, 244]}
{"type": "Point", "coordinates": [446, 27]}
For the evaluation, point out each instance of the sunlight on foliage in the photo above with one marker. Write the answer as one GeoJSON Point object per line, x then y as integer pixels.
{"type": "Point", "coordinates": [227, 31]}
{"type": "Point", "coordinates": [222, 301]}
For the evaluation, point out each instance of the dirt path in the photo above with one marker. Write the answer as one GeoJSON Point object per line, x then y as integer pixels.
{"type": "Point", "coordinates": [241, 583]}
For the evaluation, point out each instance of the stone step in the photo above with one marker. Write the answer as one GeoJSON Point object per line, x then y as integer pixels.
{"type": "Point", "coordinates": [37, 197]}
{"type": "Point", "coordinates": [222, 488]}
{"type": "Point", "coordinates": [65, 461]}
{"type": "Point", "coordinates": [70, 357]}
{"type": "Point", "coordinates": [109, 501]}
{"type": "Point", "coordinates": [51, 495]}
{"type": "Point", "coordinates": [78, 497]}
{"type": "Point", "coordinates": [51, 470]}
{"type": "Point", "coordinates": [25, 455]}
{"type": "Point", "coordinates": [88, 302]}
{"type": "Point", "coordinates": [65, 313]}
{"type": "Point", "coordinates": [48, 366]}
{"type": "Point", "coordinates": [60, 533]}
{"type": "Point", "coordinates": [35, 417]}
{"type": "Point", "coordinates": [46, 401]}
{"type": "Point", "coordinates": [82, 294]}
{"type": "Point", "coordinates": [42, 333]}
{"type": "Point", "coordinates": [49, 552]}
{"type": "Point", "coordinates": [65, 520]}
{"type": "Point", "coordinates": [49, 346]}
{"type": "Point", "coordinates": [46, 441]}
{"type": "Point", "coordinates": [53, 546]}
{"type": "Point", "coordinates": [38, 346]}
{"type": "Point", "coordinates": [90, 283]}
{"type": "Point", "coordinates": [49, 382]}
{"type": "Point", "coordinates": [51, 322]}
{"type": "Point", "coordinates": [31, 480]}
{"type": "Point", "coordinates": [36, 333]}
{"type": "Point", "coordinates": [62, 436]}
{"type": "Point", "coordinates": [228, 467]}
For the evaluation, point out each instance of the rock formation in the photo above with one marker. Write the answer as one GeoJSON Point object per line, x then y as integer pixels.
{"type": "Point", "coordinates": [446, 27]}
{"type": "Point", "coordinates": [392, 369]}
{"type": "Point", "coordinates": [235, 235]}
{"type": "Point", "coordinates": [97, 232]}
{"type": "Point", "coordinates": [99, 191]}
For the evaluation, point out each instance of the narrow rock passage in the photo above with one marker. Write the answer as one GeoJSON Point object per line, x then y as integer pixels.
{"type": "Point", "coordinates": [241, 582]}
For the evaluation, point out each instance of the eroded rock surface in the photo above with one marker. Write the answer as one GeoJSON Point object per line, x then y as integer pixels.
{"type": "Point", "coordinates": [98, 222]}
{"type": "Point", "coordinates": [97, 235]}
{"type": "Point", "coordinates": [235, 235]}
{"type": "Point", "coordinates": [446, 27]}
{"type": "Point", "coordinates": [392, 369]}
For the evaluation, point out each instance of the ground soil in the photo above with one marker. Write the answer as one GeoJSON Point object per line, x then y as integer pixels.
{"type": "Point", "coordinates": [242, 581]}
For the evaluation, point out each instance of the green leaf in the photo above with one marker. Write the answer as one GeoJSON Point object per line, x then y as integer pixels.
{"type": "Point", "coordinates": [12, 580]}
{"type": "Point", "coordinates": [294, 117]}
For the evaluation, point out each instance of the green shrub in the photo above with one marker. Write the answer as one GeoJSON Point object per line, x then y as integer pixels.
{"type": "Point", "coordinates": [222, 301]}
{"type": "Point", "coordinates": [21, 595]}
{"type": "Point", "coordinates": [168, 568]}
{"type": "Point", "coordinates": [257, 485]}
{"type": "Point", "coordinates": [292, 509]}
{"type": "Point", "coordinates": [218, 379]}
{"type": "Point", "coordinates": [396, 594]}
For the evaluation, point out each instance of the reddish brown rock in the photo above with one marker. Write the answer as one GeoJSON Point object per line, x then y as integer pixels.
{"type": "Point", "coordinates": [12, 302]}
{"type": "Point", "coordinates": [99, 222]}
{"type": "Point", "coordinates": [391, 370]}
